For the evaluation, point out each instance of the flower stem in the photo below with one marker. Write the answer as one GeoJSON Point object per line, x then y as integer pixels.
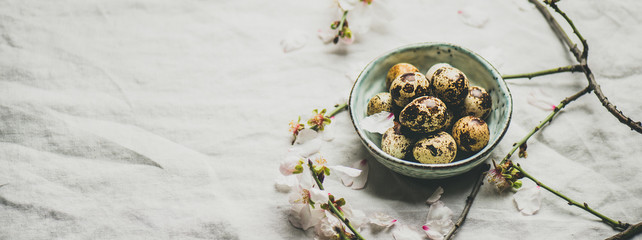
{"type": "Point", "coordinates": [570, 68]}
{"type": "Point", "coordinates": [343, 20]}
{"type": "Point", "coordinates": [615, 224]}
{"type": "Point", "coordinates": [338, 108]}
{"type": "Point", "coordinates": [333, 208]}
{"type": "Point", "coordinates": [548, 119]}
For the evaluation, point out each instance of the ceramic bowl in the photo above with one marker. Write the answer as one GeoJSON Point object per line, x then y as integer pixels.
{"type": "Point", "coordinates": [423, 55]}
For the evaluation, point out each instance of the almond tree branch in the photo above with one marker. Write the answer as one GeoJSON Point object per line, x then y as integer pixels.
{"type": "Point", "coordinates": [628, 233]}
{"type": "Point", "coordinates": [548, 119]}
{"type": "Point", "coordinates": [570, 68]}
{"type": "Point", "coordinates": [483, 170]}
{"type": "Point", "coordinates": [337, 212]}
{"type": "Point", "coordinates": [480, 180]}
{"type": "Point", "coordinates": [614, 224]}
{"type": "Point", "coordinates": [581, 57]}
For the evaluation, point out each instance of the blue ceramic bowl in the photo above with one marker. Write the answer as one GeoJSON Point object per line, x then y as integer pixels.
{"type": "Point", "coordinates": [423, 55]}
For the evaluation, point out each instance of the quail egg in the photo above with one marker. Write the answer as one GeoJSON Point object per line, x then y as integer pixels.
{"type": "Point", "coordinates": [398, 69]}
{"type": "Point", "coordinates": [450, 119]}
{"type": "Point", "coordinates": [435, 148]}
{"type": "Point", "coordinates": [424, 114]}
{"type": "Point", "coordinates": [450, 85]}
{"type": "Point", "coordinates": [470, 133]}
{"type": "Point", "coordinates": [395, 143]}
{"type": "Point", "coordinates": [379, 103]}
{"type": "Point", "coordinates": [431, 70]}
{"type": "Point", "coordinates": [407, 87]}
{"type": "Point", "coordinates": [478, 103]}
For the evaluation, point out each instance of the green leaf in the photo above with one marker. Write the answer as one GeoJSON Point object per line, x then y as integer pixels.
{"type": "Point", "coordinates": [341, 202]}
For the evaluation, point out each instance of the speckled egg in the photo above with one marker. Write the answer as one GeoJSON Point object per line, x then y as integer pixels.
{"type": "Point", "coordinates": [433, 68]}
{"type": "Point", "coordinates": [450, 119]}
{"type": "Point", "coordinates": [471, 134]}
{"type": "Point", "coordinates": [379, 103]}
{"type": "Point", "coordinates": [435, 148]}
{"type": "Point", "coordinates": [477, 103]}
{"type": "Point", "coordinates": [425, 114]}
{"type": "Point", "coordinates": [395, 143]}
{"type": "Point", "coordinates": [407, 87]}
{"type": "Point", "coordinates": [450, 85]}
{"type": "Point", "coordinates": [398, 69]}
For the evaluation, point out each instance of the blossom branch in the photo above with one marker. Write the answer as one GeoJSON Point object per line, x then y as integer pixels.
{"type": "Point", "coordinates": [582, 57]}
{"type": "Point", "coordinates": [333, 208]}
{"type": "Point", "coordinates": [557, 28]}
{"type": "Point", "coordinates": [628, 233]}
{"type": "Point", "coordinates": [469, 201]}
{"type": "Point", "coordinates": [618, 225]}
{"type": "Point", "coordinates": [570, 68]}
{"type": "Point", "coordinates": [317, 122]}
{"type": "Point", "coordinates": [337, 108]}
{"type": "Point", "coordinates": [548, 119]}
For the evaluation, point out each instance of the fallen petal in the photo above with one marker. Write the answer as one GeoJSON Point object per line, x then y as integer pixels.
{"type": "Point", "coordinates": [326, 35]}
{"type": "Point", "coordinates": [439, 211]}
{"type": "Point", "coordinates": [294, 40]}
{"type": "Point", "coordinates": [436, 229]}
{"type": "Point", "coordinates": [435, 196]}
{"type": "Point", "coordinates": [360, 181]}
{"type": "Point", "coordinates": [473, 17]}
{"type": "Point", "coordinates": [528, 200]}
{"type": "Point", "coordinates": [380, 220]}
{"type": "Point", "coordinates": [403, 232]}
{"type": "Point", "coordinates": [378, 122]}
{"type": "Point", "coordinates": [347, 171]}
{"type": "Point", "coordinates": [307, 149]}
{"type": "Point", "coordinates": [285, 183]}
{"type": "Point", "coordinates": [306, 135]}
{"type": "Point", "coordinates": [346, 174]}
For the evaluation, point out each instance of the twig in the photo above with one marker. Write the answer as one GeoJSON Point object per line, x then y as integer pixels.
{"type": "Point", "coordinates": [628, 233]}
{"type": "Point", "coordinates": [483, 170]}
{"type": "Point", "coordinates": [584, 54]}
{"type": "Point", "coordinates": [557, 29]}
{"type": "Point", "coordinates": [516, 145]}
{"type": "Point", "coordinates": [548, 119]}
{"type": "Point", "coordinates": [570, 68]}
{"type": "Point", "coordinates": [337, 108]}
{"type": "Point", "coordinates": [614, 224]}
{"type": "Point", "coordinates": [333, 208]}
{"type": "Point", "coordinates": [581, 57]}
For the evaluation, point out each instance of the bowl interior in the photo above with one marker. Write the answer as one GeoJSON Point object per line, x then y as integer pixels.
{"type": "Point", "coordinates": [479, 72]}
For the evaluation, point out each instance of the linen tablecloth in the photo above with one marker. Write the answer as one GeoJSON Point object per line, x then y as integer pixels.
{"type": "Point", "coordinates": [168, 119]}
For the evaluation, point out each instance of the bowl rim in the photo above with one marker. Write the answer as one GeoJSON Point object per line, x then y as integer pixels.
{"type": "Point", "coordinates": [486, 151]}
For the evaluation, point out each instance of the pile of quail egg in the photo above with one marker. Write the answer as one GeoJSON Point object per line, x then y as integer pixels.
{"type": "Point", "coordinates": [436, 115]}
